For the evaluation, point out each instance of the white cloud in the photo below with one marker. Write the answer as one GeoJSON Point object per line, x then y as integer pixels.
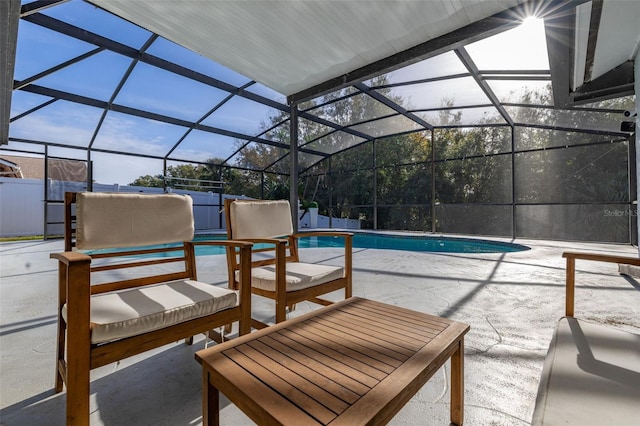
{"type": "Point", "coordinates": [122, 169]}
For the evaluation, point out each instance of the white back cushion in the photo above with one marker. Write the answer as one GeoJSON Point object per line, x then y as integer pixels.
{"type": "Point", "coordinates": [107, 220]}
{"type": "Point", "coordinates": [260, 219]}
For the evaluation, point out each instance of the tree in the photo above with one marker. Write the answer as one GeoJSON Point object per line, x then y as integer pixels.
{"type": "Point", "coordinates": [200, 177]}
{"type": "Point", "coordinates": [156, 181]}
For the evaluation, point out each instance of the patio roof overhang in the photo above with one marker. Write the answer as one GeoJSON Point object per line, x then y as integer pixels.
{"type": "Point", "coordinates": [294, 46]}
{"type": "Point", "coordinates": [304, 49]}
{"type": "Point", "coordinates": [307, 48]}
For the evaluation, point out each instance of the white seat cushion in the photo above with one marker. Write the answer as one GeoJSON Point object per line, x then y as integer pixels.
{"type": "Point", "coordinates": [131, 312]}
{"type": "Point", "coordinates": [299, 275]}
{"type": "Point", "coordinates": [591, 376]}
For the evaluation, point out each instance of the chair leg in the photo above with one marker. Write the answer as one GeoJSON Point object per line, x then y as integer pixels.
{"type": "Point", "coordinates": [78, 388]}
{"type": "Point", "coordinates": [59, 381]}
{"type": "Point", "coordinates": [215, 336]}
{"type": "Point", "coordinates": [78, 366]}
{"type": "Point", "coordinates": [281, 311]}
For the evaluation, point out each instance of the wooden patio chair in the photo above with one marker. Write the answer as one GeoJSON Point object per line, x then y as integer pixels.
{"type": "Point", "coordinates": [123, 299]}
{"type": "Point", "coordinates": [276, 270]}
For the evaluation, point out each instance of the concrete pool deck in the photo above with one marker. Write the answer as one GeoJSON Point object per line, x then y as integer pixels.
{"type": "Point", "coordinates": [511, 300]}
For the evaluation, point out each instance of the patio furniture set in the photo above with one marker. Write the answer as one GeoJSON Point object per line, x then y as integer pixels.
{"type": "Point", "coordinates": [128, 283]}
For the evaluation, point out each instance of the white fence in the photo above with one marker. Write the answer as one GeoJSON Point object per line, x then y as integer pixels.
{"type": "Point", "coordinates": [22, 211]}
{"type": "Point", "coordinates": [21, 207]}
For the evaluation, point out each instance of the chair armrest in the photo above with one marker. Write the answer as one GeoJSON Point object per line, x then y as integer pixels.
{"type": "Point", "coordinates": [601, 257]}
{"type": "Point", "coordinates": [571, 272]}
{"type": "Point", "coordinates": [69, 257]}
{"type": "Point", "coordinates": [74, 290]}
{"type": "Point", "coordinates": [348, 245]}
{"type": "Point", "coordinates": [279, 244]}
{"type": "Point", "coordinates": [274, 241]}
{"type": "Point", "coordinates": [323, 234]}
{"type": "Point", "coordinates": [225, 243]}
{"type": "Point", "coordinates": [74, 276]}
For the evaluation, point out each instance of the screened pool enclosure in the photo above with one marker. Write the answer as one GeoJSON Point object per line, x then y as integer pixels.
{"type": "Point", "coordinates": [494, 118]}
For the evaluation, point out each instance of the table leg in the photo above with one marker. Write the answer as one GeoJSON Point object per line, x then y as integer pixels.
{"type": "Point", "coordinates": [457, 384]}
{"type": "Point", "coordinates": [210, 402]}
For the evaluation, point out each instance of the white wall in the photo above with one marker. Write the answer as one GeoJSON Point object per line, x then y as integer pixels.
{"type": "Point", "coordinates": [323, 222]}
{"type": "Point", "coordinates": [21, 207]}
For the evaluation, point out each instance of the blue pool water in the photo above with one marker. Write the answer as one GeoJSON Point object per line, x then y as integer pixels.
{"type": "Point", "coordinates": [398, 242]}
{"type": "Point", "coordinates": [407, 242]}
{"type": "Point", "coordinates": [417, 243]}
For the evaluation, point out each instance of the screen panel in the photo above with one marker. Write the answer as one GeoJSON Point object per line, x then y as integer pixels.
{"type": "Point", "coordinates": [474, 180]}
{"type": "Point", "coordinates": [410, 184]}
{"type": "Point", "coordinates": [405, 217]}
{"type": "Point", "coordinates": [474, 219]}
{"type": "Point", "coordinates": [595, 173]}
{"type": "Point", "coordinates": [576, 222]}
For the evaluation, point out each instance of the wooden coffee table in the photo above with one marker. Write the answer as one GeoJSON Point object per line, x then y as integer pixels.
{"type": "Point", "coordinates": [354, 362]}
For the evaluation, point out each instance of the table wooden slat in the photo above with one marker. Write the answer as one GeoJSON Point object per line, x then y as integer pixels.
{"type": "Point", "coordinates": [378, 338]}
{"type": "Point", "coordinates": [254, 397]}
{"type": "Point", "coordinates": [329, 362]}
{"type": "Point", "coordinates": [344, 350]}
{"type": "Point", "coordinates": [402, 323]}
{"type": "Point", "coordinates": [379, 353]}
{"type": "Point", "coordinates": [386, 399]}
{"type": "Point", "coordinates": [403, 314]}
{"type": "Point", "coordinates": [333, 357]}
{"type": "Point", "coordinates": [274, 381]}
{"type": "Point", "coordinates": [295, 380]}
{"type": "Point", "coordinates": [278, 353]}
{"type": "Point", "coordinates": [381, 328]}
{"type": "Point", "coordinates": [329, 373]}
{"type": "Point", "coordinates": [399, 325]}
{"type": "Point", "coordinates": [355, 362]}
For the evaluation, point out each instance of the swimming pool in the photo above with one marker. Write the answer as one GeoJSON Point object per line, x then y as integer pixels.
{"type": "Point", "coordinates": [407, 242]}
{"type": "Point", "coordinates": [417, 243]}
{"type": "Point", "coordinates": [395, 242]}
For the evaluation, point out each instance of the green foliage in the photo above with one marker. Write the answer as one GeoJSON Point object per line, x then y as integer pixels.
{"type": "Point", "coordinates": [277, 189]}
{"type": "Point", "coordinates": [202, 177]}
{"type": "Point", "coordinates": [156, 181]}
